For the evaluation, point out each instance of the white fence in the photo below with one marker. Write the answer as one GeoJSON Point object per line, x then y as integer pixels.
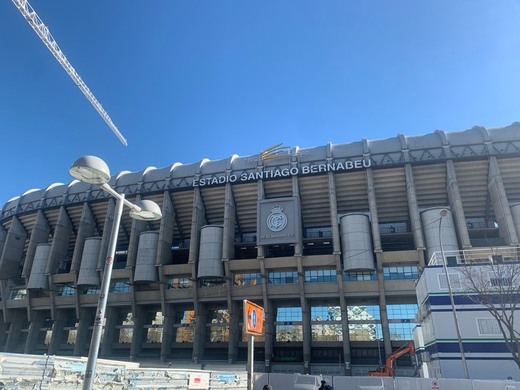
{"type": "Point", "coordinates": [24, 372]}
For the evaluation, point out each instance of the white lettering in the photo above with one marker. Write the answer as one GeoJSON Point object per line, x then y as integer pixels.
{"type": "Point", "coordinates": [284, 172]}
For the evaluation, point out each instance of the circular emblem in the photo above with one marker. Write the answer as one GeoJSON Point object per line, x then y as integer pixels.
{"type": "Point", "coordinates": [277, 220]}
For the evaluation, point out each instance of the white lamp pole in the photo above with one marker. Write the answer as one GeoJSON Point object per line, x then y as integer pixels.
{"type": "Point", "coordinates": [93, 170]}
{"type": "Point", "coordinates": [442, 214]}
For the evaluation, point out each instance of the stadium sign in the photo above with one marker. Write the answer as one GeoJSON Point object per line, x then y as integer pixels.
{"type": "Point", "coordinates": [281, 172]}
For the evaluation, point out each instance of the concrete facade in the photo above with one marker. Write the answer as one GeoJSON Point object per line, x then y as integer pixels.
{"type": "Point", "coordinates": [330, 307]}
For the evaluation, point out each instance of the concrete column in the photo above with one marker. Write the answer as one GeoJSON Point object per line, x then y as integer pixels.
{"type": "Point", "coordinates": [336, 245]}
{"type": "Point", "coordinates": [270, 316]}
{"type": "Point", "coordinates": [38, 320]}
{"type": "Point", "coordinates": [60, 242]}
{"type": "Point", "coordinates": [267, 304]}
{"type": "Point", "coordinates": [39, 235]}
{"type": "Point", "coordinates": [413, 209]}
{"type": "Point", "coordinates": [260, 196]}
{"type": "Point", "coordinates": [382, 303]}
{"type": "Point", "coordinates": [200, 333]}
{"type": "Point", "coordinates": [3, 237]}
{"type": "Point", "coordinates": [500, 203]}
{"type": "Point", "coordinates": [379, 259]}
{"type": "Point", "coordinates": [3, 334]}
{"type": "Point", "coordinates": [228, 234]}
{"type": "Point", "coordinates": [307, 335]}
{"type": "Point", "coordinates": [15, 328]}
{"type": "Point", "coordinates": [12, 252]}
{"type": "Point", "coordinates": [306, 315]}
{"type": "Point", "coordinates": [198, 219]}
{"type": "Point", "coordinates": [86, 319]}
{"type": "Point", "coordinates": [235, 331]}
{"type": "Point", "coordinates": [165, 256]}
{"type": "Point", "coordinates": [168, 331]}
{"type": "Point", "coordinates": [107, 229]}
{"type": "Point", "coordinates": [137, 333]}
{"type": "Point", "coordinates": [164, 247]}
{"type": "Point", "coordinates": [228, 252]}
{"type": "Point", "coordinates": [456, 205]}
{"type": "Point", "coordinates": [374, 216]}
{"type": "Point", "coordinates": [61, 320]}
{"type": "Point", "coordinates": [110, 333]}
{"type": "Point", "coordinates": [87, 228]}
{"type": "Point", "coordinates": [133, 242]}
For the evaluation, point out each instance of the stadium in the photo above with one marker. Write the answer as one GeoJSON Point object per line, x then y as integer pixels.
{"type": "Point", "coordinates": [329, 240]}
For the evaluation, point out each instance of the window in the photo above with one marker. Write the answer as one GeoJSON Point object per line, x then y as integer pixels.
{"type": "Point", "coordinates": [91, 290]}
{"type": "Point", "coordinates": [287, 277]}
{"type": "Point", "coordinates": [119, 287]}
{"type": "Point", "coordinates": [288, 325]}
{"type": "Point", "coordinates": [401, 272]}
{"type": "Point", "coordinates": [454, 281]}
{"type": "Point", "coordinates": [320, 275]}
{"type": "Point", "coordinates": [184, 329]}
{"type": "Point", "coordinates": [326, 323]}
{"type": "Point", "coordinates": [497, 281]}
{"type": "Point", "coordinates": [318, 232]}
{"type": "Point", "coordinates": [18, 293]}
{"type": "Point", "coordinates": [247, 279]}
{"type": "Point", "coordinates": [126, 327]}
{"type": "Point", "coordinates": [364, 322]}
{"type": "Point", "coordinates": [401, 319]}
{"type": "Point", "coordinates": [66, 291]}
{"type": "Point", "coordinates": [359, 276]}
{"type": "Point", "coordinates": [488, 326]}
{"type": "Point", "coordinates": [218, 324]}
{"type": "Point", "coordinates": [154, 327]}
{"type": "Point", "coordinates": [402, 311]}
{"type": "Point", "coordinates": [179, 282]}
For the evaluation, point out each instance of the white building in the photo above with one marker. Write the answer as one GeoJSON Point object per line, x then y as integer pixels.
{"type": "Point", "coordinates": [485, 351]}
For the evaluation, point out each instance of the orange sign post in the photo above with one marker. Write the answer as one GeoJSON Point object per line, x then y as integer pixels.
{"type": "Point", "coordinates": [254, 324]}
{"type": "Point", "coordinates": [253, 318]}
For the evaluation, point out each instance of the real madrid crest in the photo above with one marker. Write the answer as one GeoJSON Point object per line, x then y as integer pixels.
{"type": "Point", "coordinates": [277, 220]}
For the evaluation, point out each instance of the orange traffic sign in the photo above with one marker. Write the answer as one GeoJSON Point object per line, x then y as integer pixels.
{"type": "Point", "coordinates": [253, 318]}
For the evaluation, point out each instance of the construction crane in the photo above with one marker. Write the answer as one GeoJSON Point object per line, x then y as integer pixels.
{"type": "Point", "coordinates": [43, 32]}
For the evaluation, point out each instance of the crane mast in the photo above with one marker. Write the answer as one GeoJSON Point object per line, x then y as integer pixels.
{"type": "Point", "coordinates": [43, 32]}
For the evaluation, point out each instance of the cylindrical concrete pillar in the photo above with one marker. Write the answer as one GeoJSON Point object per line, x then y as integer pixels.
{"type": "Point", "coordinates": [356, 242]}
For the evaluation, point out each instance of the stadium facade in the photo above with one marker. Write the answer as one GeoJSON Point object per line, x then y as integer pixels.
{"type": "Point", "coordinates": [329, 240]}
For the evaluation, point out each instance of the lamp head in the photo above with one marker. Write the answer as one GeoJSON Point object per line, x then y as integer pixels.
{"type": "Point", "coordinates": [91, 170]}
{"type": "Point", "coordinates": [150, 211]}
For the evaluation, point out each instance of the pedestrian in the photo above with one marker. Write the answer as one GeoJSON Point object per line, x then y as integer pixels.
{"type": "Point", "coordinates": [325, 386]}
{"type": "Point", "coordinates": [267, 387]}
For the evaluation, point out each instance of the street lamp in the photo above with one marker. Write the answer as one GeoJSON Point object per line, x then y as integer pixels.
{"type": "Point", "coordinates": [93, 170]}
{"type": "Point", "coordinates": [442, 214]}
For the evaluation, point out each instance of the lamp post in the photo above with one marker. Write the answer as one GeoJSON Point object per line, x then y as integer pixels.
{"type": "Point", "coordinates": [93, 170]}
{"type": "Point", "coordinates": [442, 214]}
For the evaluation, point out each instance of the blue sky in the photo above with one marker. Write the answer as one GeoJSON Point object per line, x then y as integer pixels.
{"type": "Point", "coordinates": [186, 80]}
